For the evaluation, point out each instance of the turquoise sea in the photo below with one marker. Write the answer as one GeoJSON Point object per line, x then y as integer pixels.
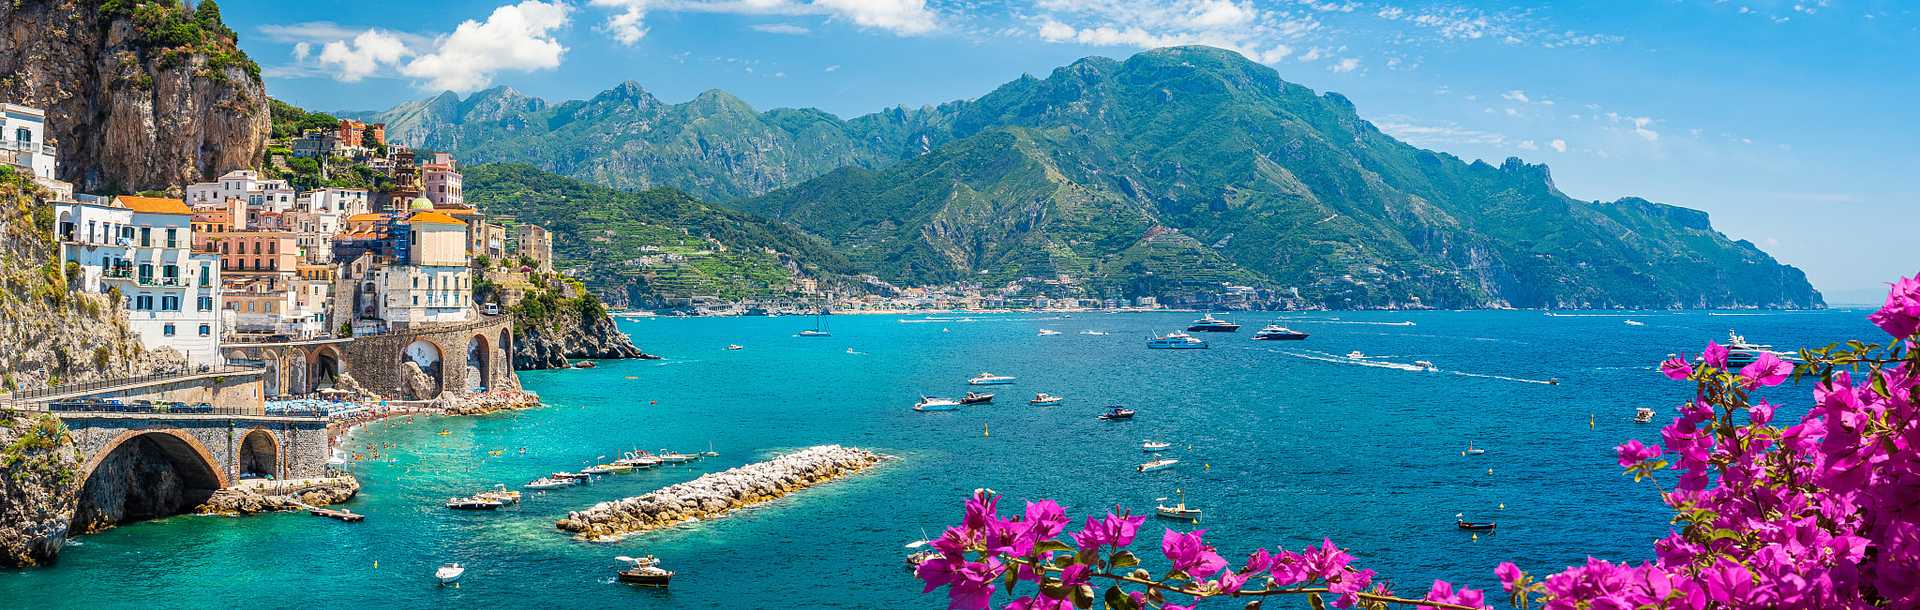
{"type": "Point", "coordinates": [1280, 444]}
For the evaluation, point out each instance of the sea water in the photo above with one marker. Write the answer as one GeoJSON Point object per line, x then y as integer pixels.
{"type": "Point", "coordinates": [1280, 443]}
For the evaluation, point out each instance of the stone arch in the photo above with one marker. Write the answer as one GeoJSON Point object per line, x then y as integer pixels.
{"type": "Point", "coordinates": [431, 361]}
{"type": "Point", "coordinates": [144, 474]}
{"type": "Point", "coordinates": [296, 373]}
{"type": "Point", "coordinates": [479, 363]}
{"type": "Point", "coordinates": [259, 454]}
{"type": "Point", "coordinates": [506, 351]}
{"type": "Point", "coordinates": [270, 380]}
{"type": "Point", "coordinates": [328, 365]}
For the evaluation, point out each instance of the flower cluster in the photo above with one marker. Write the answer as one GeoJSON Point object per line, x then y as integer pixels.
{"type": "Point", "coordinates": [1823, 513]}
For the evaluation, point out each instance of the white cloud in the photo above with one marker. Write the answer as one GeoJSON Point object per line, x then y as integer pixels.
{"type": "Point", "coordinates": [1348, 64]}
{"type": "Point", "coordinates": [365, 55]}
{"type": "Point", "coordinates": [629, 25]}
{"type": "Point", "coordinates": [903, 17]}
{"type": "Point", "coordinates": [516, 37]}
{"type": "Point", "coordinates": [1313, 54]}
{"type": "Point", "coordinates": [1558, 145]}
{"type": "Point", "coordinates": [1434, 136]}
{"type": "Point", "coordinates": [1515, 95]}
{"type": "Point", "coordinates": [1528, 145]}
{"type": "Point", "coordinates": [627, 21]}
{"type": "Point", "coordinates": [1640, 125]}
{"type": "Point", "coordinates": [780, 28]}
{"type": "Point", "coordinates": [833, 68]}
{"type": "Point", "coordinates": [1263, 34]}
{"type": "Point", "coordinates": [302, 50]}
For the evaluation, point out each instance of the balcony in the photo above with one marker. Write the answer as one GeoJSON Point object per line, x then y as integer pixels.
{"type": "Point", "coordinates": [26, 147]}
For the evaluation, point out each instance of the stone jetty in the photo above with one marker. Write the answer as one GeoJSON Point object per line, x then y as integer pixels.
{"type": "Point", "coordinates": [718, 493]}
{"type": "Point", "coordinates": [261, 496]}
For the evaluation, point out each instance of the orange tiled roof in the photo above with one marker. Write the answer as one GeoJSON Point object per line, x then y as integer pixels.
{"type": "Point", "coordinates": [367, 217]}
{"type": "Point", "coordinates": [155, 205]}
{"type": "Point", "coordinates": [434, 218]}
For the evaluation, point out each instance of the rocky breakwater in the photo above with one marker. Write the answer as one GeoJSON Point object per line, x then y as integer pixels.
{"type": "Point", "coordinates": [258, 496]}
{"type": "Point", "coordinates": [482, 403]}
{"type": "Point", "coordinates": [718, 493]}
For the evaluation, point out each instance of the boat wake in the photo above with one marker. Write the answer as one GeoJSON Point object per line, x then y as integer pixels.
{"type": "Point", "coordinates": [1728, 315]}
{"type": "Point", "coordinates": [1586, 315]}
{"type": "Point", "coordinates": [1400, 323]}
{"type": "Point", "coordinates": [1503, 378]}
{"type": "Point", "coordinates": [1330, 358]}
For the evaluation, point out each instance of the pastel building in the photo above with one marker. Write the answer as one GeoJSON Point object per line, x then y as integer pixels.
{"type": "Point", "coordinates": [245, 185]}
{"type": "Point", "coordinates": [142, 247]}
{"type": "Point", "coordinates": [442, 181]}
{"type": "Point", "coordinates": [23, 140]}
{"type": "Point", "coordinates": [432, 282]}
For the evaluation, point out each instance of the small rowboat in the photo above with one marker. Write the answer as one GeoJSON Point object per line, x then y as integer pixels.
{"type": "Point", "coordinates": [1461, 522]}
{"type": "Point", "coordinates": [1157, 465]}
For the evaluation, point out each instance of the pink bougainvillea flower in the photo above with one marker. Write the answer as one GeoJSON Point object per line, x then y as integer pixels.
{"type": "Point", "coordinates": [1509, 575]}
{"type": "Point", "coordinates": [1676, 368]}
{"type": "Point", "coordinates": [1900, 316]}
{"type": "Point", "coordinates": [1715, 355]}
{"type": "Point", "coordinates": [1111, 530]}
{"type": "Point", "coordinates": [1766, 371]}
{"type": "Point", "coordinates": [1190, 553]}
{"type": "Point", "coordinates": [1633, 452]}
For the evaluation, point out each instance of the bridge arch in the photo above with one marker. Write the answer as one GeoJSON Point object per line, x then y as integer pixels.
{"type": "Point", "coordinates": [427, 355]}
{"type": "Point", "coordinates": [297, 382]}
{"type": "Point", "coordinates": [259, 454]}
{"type": "Point", "coordinates": [480, 359]}
{"type": "Point", "coordinates": [145, 474]}
{"type": "Point", "coordinates": [328, 364]}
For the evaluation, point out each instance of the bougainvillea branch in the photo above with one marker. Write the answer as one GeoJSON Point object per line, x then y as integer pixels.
{"type": "Point", "coordinates": [1824, 513]}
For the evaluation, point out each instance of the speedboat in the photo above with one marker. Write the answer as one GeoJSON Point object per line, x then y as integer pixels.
{"type": "Point", "coordinates": [1117, 412]}
{"type": "Point", "coordinates": [1642, 415]}
{"type": "Point", "coordinates": [549, 483]}
{"type": "Point", "coordinates": [976, 398]}
{"type": "Point", "coordinates": [1426, 365]}
{"type": "Point", "coordinates": [646, 572]}
{"type": "Point", "coordinates": [1210, 324]}
{"type": "Point", "coordinates": [813, 333]}
{"type": "Point", "coordinates": [571, 476]}
{"type": "Point", "coordinates": [473, 503]}
{"type": "Point", "coordinates": [449, 573]}
{"type": "Point", "coordinates": [675, 457]}
{"type": "Point", "coordinates": [990, 379]}
{"type": "Point", "coordinates": [1276, 332]}
{"type": "Point", "coordinates": [929, 403]}
{"type": "Point", "coordinates": [733, 347]}
{"type": "Point", "coordinates": [1635, 323]}
{"type": "Point", "coordinates": [500, 493]}
{"type": "Point", "coordinates": [1154, 446]}
{"type": "Point", "coordinates": [1157, 465]}
{"type": "Point", "coordinates": [1093, 333]}
{"type": "Point", "coordinates": [1047, 332]}
{"type": "Point", "coordinates": [597, 469]}
{"type": "Point", "coordinates": [1044, 399]}
{"type": "Point", "coordinates": [1356, 355]}
{"type": "Point", "coordinates": [1176, 340]}
{"type": "Point", "coordinates": [1177, 511]}
{"type": "Point", "coordinates": [1461, 521]}
{"type": "Point", "coordinates": [638, 459]}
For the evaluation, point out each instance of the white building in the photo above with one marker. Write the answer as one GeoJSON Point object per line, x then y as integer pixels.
{"type": "Point", "coordinates": [23, 140]}
{"type": "Point", "coordinates": [143, 247]}
{"type": "Point", "coordinates": [245, 185]}
{"type": "Point", "coordinates": [434, 284]}
{"type": "Point", "coordinates": [334, 201]}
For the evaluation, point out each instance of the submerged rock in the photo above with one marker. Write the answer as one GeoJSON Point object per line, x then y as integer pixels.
{"type": "Point", "coordinates": [718, 493]}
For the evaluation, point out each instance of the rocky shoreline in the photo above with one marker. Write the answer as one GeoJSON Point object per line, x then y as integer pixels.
{"type": "Point", "coordinates": [553, 342]}
{"type": "Point", "coordinates": [718, 493]}
{"type": "Point", "coordinates": [258, 496]}
{"type": "Point", "coordinates": [491, 401]}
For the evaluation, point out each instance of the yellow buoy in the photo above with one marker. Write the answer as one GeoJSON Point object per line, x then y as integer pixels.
{"type": "Point", "coordinates": [1489, 472]}
{"type": "Point", "coordinates": [1476, 537]}
{"type": "Point", "coordinates": [985, 430]}
{"type": "Point", "coordinates": [1503, 506]}
{"type": "Point", "coordinates": [376, 564]}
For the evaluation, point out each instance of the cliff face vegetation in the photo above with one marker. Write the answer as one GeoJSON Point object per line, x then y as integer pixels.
{"type": "Point", "coordinates": [139, 94]}
{"type": "Point", "coordinates": [37, 492]}
{"type": "Point", "coordinates": [549, 328]}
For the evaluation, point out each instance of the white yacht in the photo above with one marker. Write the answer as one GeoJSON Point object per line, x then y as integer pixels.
{"type": "Point", "coordinates": [1044, 399]}
{"type": "Point", "coordinates": [1048, 332]}
{"type": "Point", "coordinates": [1176, 340]}
{"type": "Point", "coordinates": [929, 403]}
{"type": "Point", "coordinates": [1157, 465]}
{"type": "Point", "coordinates": [990, 379]}
{"type": "Point", "coordinates": [1152, 446]}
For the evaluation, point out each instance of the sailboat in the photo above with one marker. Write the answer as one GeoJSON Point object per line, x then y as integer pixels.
{"type": "Point", "coordinates": [819, 327]}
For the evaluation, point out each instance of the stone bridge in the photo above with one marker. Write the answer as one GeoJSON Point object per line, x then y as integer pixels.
{"type": "Point", "coordinates": [143, 465]}
{"type": "Point", "coordinates": [457, 357]}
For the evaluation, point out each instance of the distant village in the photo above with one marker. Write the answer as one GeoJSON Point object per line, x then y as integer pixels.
{"type": "Point", "coordinates": [246, 259]}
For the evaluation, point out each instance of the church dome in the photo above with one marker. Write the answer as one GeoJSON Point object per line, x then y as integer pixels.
{"type": "Point", "coordinates": [421, 203]}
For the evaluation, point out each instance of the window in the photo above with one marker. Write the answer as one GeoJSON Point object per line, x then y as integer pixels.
{"type": "Point", "coordinates": [206, 330]}
{"type": "Point", "coordinates": [173, 238]}
{"type": "Point", "coordinates": [206, 303]}
{"type": "Point", "coordinates": [206, 275]}
{"type": "Point", "coordinates": [167, 330]}
{"type": "Point", "coordinates": [143, 302]}
{"type": "Point", "coordinates": [146, 273]}
{"type": "Point", "coordinates": [24, 135]}
{"type": "Point", "coordinates": [171, 273]}
{"type": "Point", "coordinates": [146, 236]}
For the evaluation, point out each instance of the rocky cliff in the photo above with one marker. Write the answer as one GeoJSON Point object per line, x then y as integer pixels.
{"type": "Point", "coordinates": [139, 94]}
{"type": "Point", "coordinates": [37, 492]}
{"type": "Point", "coordinates": [549, 342]}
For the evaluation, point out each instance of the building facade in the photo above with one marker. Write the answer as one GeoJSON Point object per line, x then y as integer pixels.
{"type": "Point", "coordinates": [23, 140]}
{"type": "Point", "coordinates": [142, 248]}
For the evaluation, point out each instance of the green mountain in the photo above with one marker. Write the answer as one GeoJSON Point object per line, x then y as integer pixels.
{"type": "Point", "coordinates": [1174, 173]}
{"type": "Point", "coordinates": [657, 247]}
{"type": "Point", "coordinates": [1179, 169]}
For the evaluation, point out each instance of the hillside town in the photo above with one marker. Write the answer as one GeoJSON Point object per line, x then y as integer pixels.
{"type": "Point", "coordinates": [248, 259]}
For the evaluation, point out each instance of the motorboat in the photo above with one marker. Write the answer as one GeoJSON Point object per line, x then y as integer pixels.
{"type": "Point", "coordinates": [597, 469]}
{"type": "Point", "coordinates": [1741, 353]}
{"type": "Point", "coordinates": [1093, 333]}
{"type": "Point", "coordinates": [449, 573]}
{"type": "Point", "coordinates": [1426, 365]}
{"type": "Point", "coordinates": [1176, 340]}
{"type": "Point", "coordinates": [1210, 324]}
{"type": "Point", "coordinates": [1642, 415]}
{"type": "Point", "coordinates": [1152, 446]}
{"type": "Point", "coordinates": [1117, 412]}
{"type": "Point", "coordinates": [1276, 332]}
{"type": "Point", "coordinates": [616, 467]}
{"type": "Point", "coordinates": [976, 398]}
{"type": "Point", "coordinates": [929, 403]}
{"type": "Point", "coordinates": [813, 333]}
{"type": "Point", "coordinates": [1635, 323]}
{"type": "Point", "coordinates": [916, 558]}
{"type": "Point", "coordinates": [1156, 465]}
{"type": "Point", "coordinates": [474, 503]}
{"type": "Point", "coordinates": [990, 379]}
{"type": "Point", "coordinates": [585, 364]}
{"type": "Point", "coordinates": [1356, 355]}
{"type": "Point", "coordinates": [1471, 450]}
{"type": "Point", "coordinates": [1460, 520]}
{"type": "Point", "coordinates": [1044, 399]}
{"type": "Point", "coordinates": [1177, 511]}
{"type": "Point", "coordinates": [571, 476]}
{"type": "Point", "coordinates": [549, 483]}
{"type": "Point", "coordinates": [500, 493]}
{"type": "Point", "coordinates": [645, 571]}
{"type": "Point", "coordinates": [675, 457]}
{"type": "Point", "coordinates": [638, 459]}
{"type": "Point", "coordinates": [709, 452]}
{"type": "Point", "coordinates": [1048, 332]}
{"type": "Point", "coordinates": [733, 347]}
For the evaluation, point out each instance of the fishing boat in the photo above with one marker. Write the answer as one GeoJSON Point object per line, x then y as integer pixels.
{"type": "Point", "coordinates": [929, 403]}
{"type": "Point", "coordinates": [976, 398]}
{"type": "Point", "coordinates": [1460, 520]}
{"type": "Point", "coordinates": [501, 494]}
{"type": "Point", "coordinates": [1044, 399]}
{"type": "Point", "coordinates": [1471, 450]}
{"type": "Point", "coordinates": [1176, 340]}
{"type": "Point", "coordinates": [819, 327]}
{"type": "Point", "coordinates": [1210, 324]}
{"type": "Point", "coordinates": [1177, 511]}
{"type": "Point", "coordinates": [1276, 332]}
{"type": "Point", "coordinates": [1642, 415]}
{"type": "Point", "coordinates": [449, 573]}
{"type": "Point", "coordinates": [1117, 412]}
{"type": "Point", "coordinates": [1047, 332]}
{"type": "Point", "coordinates": [473, 503]}
{"type": "Point", "coordinates": [645, 571]}
{"type": "Point", "coordinates": [1152, 446]}
{"type": "Point", "coordinates": [548, 483]}
{"type": "Point", "coordinates": [675, 457]}
{"type": "Point", "coordinates": [1157, 465]}
{"type": "Point", "coordinates": [990, 379]}
{"type": "Point", "coordinates": [709, 452]}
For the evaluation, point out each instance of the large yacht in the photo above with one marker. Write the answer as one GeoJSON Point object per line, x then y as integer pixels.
{"type": "Point", "coordinates": [1276, 332]}
{"type": "Point", "coordinates": [1210, 324]}
{"type": "Point", "coordinates": [1176, 340]}
{"type": "Point", "coordinates": [929, 403]}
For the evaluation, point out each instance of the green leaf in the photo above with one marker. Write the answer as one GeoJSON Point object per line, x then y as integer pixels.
{"type": "Point", "coordinates": [1083, 597]}
{"type": "Point", "coordinates": [1124, 559]}
{"type": "Point", "coordinates": [1117, 599]}
{"type": "Point", "coordinates": [1314, 601]}
{"type": "Point", "coordinates": [1050, 546]}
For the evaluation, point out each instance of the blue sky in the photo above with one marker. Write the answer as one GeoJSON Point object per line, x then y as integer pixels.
{"type": "Point", "coordinates": [1792, 122]}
